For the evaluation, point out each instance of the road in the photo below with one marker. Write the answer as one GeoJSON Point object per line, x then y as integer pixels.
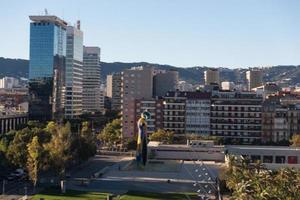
{"type": "Point", "coordinates": [15, 190]}
{"type": "Point", "coordinates": [95, 164]}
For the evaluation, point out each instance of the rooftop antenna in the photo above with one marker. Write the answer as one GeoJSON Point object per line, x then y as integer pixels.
{"type": "Point", "coordinates": [78, 24]}
{"type": "Point", "coordinates": [46, 11]}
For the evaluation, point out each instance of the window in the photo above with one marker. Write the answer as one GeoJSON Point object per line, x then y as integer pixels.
{"type": "Point", "coordinates": [292, 159]}
{"type": "Point", "coordinates": [280, 159]}
{"type": "Point", "coordinates": [267, 159]}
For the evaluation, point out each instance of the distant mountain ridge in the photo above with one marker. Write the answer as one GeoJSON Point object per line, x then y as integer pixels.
{"type": "Point", "coordinates": [289, 74]}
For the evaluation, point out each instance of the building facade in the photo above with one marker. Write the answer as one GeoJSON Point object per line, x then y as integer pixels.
{"type": "Point", "coordinates": [164, 81]}
{"type": "Point", "coordinates": [114, 89]}
{"type": "Point", "coordinates": [174, 112]}
{"type": "Point", "coordinates": [155, 108]}
{"type": "Point", "coordinates": [47, 67]}
{"type": "Point", "coordinates": [74, 72]}
{"type": "Point", "coordinates": [227, 85]}
{"type": "Point", "coordinates": [91, 99]}
{"type": "Point", "coordinates": [197, 114]}
{"type": "Point", "coordinates": [9, 83]}
{"type": "Point", "coordinates": [236, 116]}
{"type": "Point", "coordinates": [137, 83]}
{"type": "Point", "coordinates": [12, 122]}
{"type": "Point", "coordinates": [211, 76]}
{"type": "Point", "coordinates": [254, 78]}
{"type": "Point", "coordinates": [279, 121]}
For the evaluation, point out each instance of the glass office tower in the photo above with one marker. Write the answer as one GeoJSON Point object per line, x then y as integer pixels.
{"type": "Point", "coordinates": [47, 67]}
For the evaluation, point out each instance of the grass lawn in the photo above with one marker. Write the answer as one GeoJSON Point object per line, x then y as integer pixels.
{"type": "Point", "coordinates": [134, 195]}
{"type": "Point", "coordinates": [54, 194]}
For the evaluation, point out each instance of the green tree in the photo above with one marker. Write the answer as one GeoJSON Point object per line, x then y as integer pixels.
{"type": "Point", "coordinates": [59, 148]}
{"type": "Point", "coordinates": [17, 150]}
{"type": "Point", "coordinates": [249, 181]}
{"type": "Point", "coordinates": [84, 145]}
{"type": "Point", "coordinates": [162, 136]}
{"type": "Point", "coordinates": [111, 134]}
{"type": "Point", "coordinates": [295, 140]}
{"type": "Point", "coordinates": [34, 159]}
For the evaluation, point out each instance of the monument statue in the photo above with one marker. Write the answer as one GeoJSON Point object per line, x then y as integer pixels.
{"type": "Point", "coordinates": [141, 150]}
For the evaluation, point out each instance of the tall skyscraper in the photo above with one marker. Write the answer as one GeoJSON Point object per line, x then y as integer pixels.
{"type": "Point", "coordinates": [47, 67]}
{"type": "Point", "coordinates": [254, 78]}
{"type": "Point", "coordinates": [92, 99]}
{"type": "Point", "coordinates": [137, 84]}
{"type": "Point", "coordinates": [211, 76]}
{"type": "Point", "coordinates": [164, 81]}
{"type": "Point", "coordinates": [113, 89]}
{"type": "Point", "coordinates": [74, 72]}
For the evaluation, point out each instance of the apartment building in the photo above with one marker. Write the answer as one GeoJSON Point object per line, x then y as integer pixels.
{"type": "Point", "coordinates": [137, 84]}
{"type": "Point", "coordinates": [174, 112]}
{"type": "Point", "coordinates": [155, 108]}
{"type": "Point", "coordinates": [236, 116]}
{"type": "Point", "coordinates": [197, 114]}
{"type": "Point", "coordinates": [279, 121]}
{"type": "Point", "coordinates": [187, 113]}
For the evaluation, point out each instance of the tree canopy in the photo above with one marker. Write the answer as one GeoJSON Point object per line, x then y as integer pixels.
{"type": "Point", "coordinates": [249, 181]}
{"type": "Point", "coordinates": [111, 134]}
{"type": "Point", "coordinates": [162, 136]}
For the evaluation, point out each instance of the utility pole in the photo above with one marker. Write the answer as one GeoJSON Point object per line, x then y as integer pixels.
{"type": "Point", "coordinates": [3, 187]}
{"type": "Point", "coordinates": [25, 188]}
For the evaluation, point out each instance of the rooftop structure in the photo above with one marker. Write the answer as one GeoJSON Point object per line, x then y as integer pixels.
{"type": "Point", "coordinates": [48, 18]}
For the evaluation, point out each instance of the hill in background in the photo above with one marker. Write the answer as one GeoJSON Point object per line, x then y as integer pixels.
{"type": "Point", "coordinates": [287, 75]}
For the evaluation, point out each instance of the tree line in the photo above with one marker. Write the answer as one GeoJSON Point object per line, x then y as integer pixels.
{"type": "Point", "coordinates": [40, 148]}
{"type": "Point", "coordinates": [252, 181]}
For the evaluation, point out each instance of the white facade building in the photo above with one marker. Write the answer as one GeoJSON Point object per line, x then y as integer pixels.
{"type": "Point", "coordinates": [74, 72]}
{"type": "Point", "coordinates": [91, 80]}
{"type": "Point", "coordinates": [9, 82]}
{"type": "Point", "coordinates": [197, 115]}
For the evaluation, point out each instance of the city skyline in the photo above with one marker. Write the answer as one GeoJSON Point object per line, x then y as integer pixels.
{"type": "Point", "coordinates": [198, 33]}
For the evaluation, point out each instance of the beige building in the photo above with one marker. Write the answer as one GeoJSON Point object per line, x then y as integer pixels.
{"type": "Point", "coordinates": [113, 90]}
{"type": "Point", "coordinates": [137, 83]}
{"type": "Point", "coordinates": [211, 76]}
{"type": "Point", "coordinates": [254, 78]}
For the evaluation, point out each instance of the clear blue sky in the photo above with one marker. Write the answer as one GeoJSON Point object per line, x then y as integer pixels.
{"type": "Point", "coordinates": [227, 33]}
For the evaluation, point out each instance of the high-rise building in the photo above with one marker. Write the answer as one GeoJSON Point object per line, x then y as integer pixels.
{"type": "Point", "coordinates": [91, 81]}
{"type": "Point", "coordinates": [113, 89]}
{"type": "Point", "coordinates": [47, 67]}
{"type": "Point", "coordinates": [137, 84]}
{"type": "Point", "coordinates": [254, 78]}
{"type": "Point", "coordinates": [164, 81]}
{"type": "Point", "coordinates": [74, 72]}
{"type": "Point", "coordinates": [211, 76]}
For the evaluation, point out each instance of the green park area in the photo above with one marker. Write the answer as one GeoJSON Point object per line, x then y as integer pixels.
{"type": "Point", "coordinates": [54, 194]}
